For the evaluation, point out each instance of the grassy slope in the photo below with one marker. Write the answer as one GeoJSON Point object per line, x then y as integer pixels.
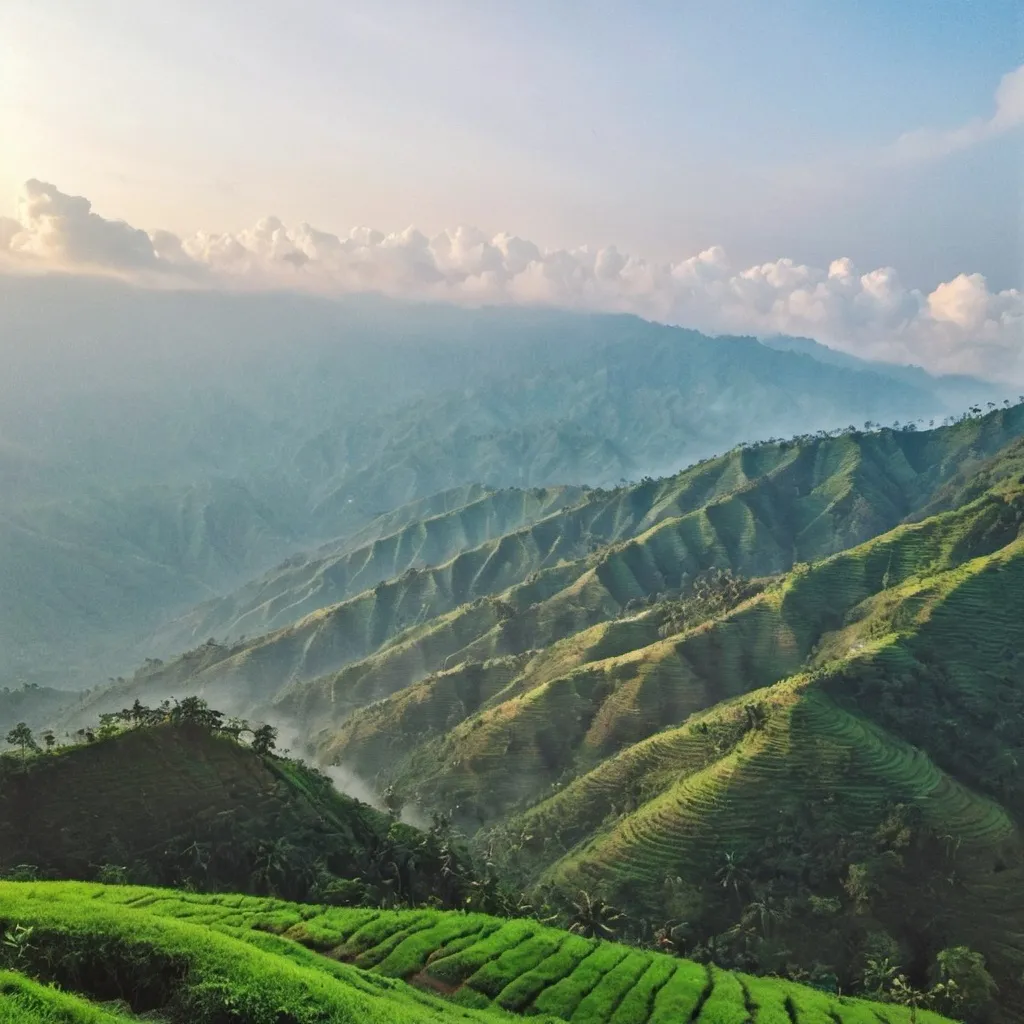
{"type": "Point", "coordinates": [612, 685]}
{"type": "Point", "coordinates": [759, 510]}
{"type": "Point", "coordinates": [265, 958]}
{"type": "Point", "coordinates": [144, 798]}
{"type": "Point", "coordinates": [23, 1001]}
{"type": "Point", "coordinates": [890, 673]}
{"type": "Point", "coordinates": [425, 533]}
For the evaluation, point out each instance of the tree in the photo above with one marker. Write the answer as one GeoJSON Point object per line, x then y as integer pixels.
{"type": "Point", "coordinates": [732, 875]}
{"type": "Point", "coordinates": [21, 736]}
{"type": "Point", "coordinates": [264, 739]}
{"type": "Point", "coordinates": [879, 974]}
{"type": "Point", "coordinates": [49, 739]}
{"type": "Point", "coordinates": [962, 983]}
{"type": "Point", "coordinates": [593, 918]}
{"type": "Point", "coordinates": [196, 711]}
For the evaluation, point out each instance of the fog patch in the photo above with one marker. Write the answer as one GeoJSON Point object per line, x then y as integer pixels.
{"type": "Point", "coordinates": [350, 784]}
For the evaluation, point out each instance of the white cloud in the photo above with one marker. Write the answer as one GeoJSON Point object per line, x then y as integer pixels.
{"type": "Point", "coordinates": [933, 144]}
{"type": "Point", "coordinates": [58, 227]}
{"type": "Point", "coordinates": [960, 326]}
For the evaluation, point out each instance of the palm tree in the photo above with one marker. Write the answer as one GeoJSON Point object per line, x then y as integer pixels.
{"type": "Point", "coordinates": [593, 918]}
{"type": "Point", "coordinates": [732, 874]}
{"type": "Point", "coordinates": [767, 912]}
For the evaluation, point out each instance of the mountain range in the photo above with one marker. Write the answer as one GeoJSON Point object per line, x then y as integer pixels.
{"type": "Point", "coordinates": [264, 425]}
{"type": "Point", "coordinates": [624, 628]}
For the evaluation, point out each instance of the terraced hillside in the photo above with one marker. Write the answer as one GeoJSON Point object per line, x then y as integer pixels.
{"type": "Point", "coordinates": [805, 761]}
{"type": "Point", "coordinates": [847, 737]}
{"type": "Point", "coordinates": [757, 510]}
{"type": "Point", "coordinates": [613, 684]}
{"type": "Point", "coordinates": [168, 953]}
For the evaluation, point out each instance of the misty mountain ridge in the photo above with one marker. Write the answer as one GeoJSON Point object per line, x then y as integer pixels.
{"type": "Point", "coordinates": [267, 424]}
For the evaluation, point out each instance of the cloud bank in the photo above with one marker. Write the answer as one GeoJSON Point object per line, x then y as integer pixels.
{"type": "Point", "coordinates": [959, 326]}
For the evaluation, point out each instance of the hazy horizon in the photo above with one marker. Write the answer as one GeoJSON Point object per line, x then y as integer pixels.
{"type": "Point", "coordinates": [853, 179]}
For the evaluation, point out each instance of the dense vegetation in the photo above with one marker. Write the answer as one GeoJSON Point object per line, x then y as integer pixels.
{"type": "Point", "coordinates": [229, 958]}
{"type": "Point", "coordinates": [177, 795]}
{"type": "Point", "coordinates": [764, 714]}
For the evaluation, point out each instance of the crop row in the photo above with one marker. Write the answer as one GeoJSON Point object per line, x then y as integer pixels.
{"type": "Point", "coordinates": [482, 963]}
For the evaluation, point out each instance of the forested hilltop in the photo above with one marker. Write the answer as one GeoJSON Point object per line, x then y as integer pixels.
{"type": "Point", "coordinates": [160, 449]}
{"type": "Point", "coordinates": [763, 714]}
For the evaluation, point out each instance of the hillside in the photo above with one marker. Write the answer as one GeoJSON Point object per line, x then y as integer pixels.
{"type": "Point", "coordinates": [756, 510]}
{"type": "Point", "coordinates": [212, 959]}
{"type": "Point", "coordinates": [427, 532]}
{"type": "Point", "coordinates": [840, 750]}
{"type": "Point", "coordinates": [636, 675]}
{"type": "Point", "coordinates": [262, 425]}
{"type": "Point", "coordinates": [804, 760]}
{"type": "Point", "coordinates": [38, 706]}
{"type": "Point", "coordinates": [175, 803]}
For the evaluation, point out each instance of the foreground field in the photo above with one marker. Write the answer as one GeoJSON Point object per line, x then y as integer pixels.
{"type": "Point", "coordinates": [234, 958]}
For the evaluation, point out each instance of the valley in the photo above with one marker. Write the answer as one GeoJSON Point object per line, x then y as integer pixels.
{"type": "Point", "coordinates": [761, 712]}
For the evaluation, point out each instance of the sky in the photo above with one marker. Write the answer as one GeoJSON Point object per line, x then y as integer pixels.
{"type": "Point", "coordinates": [885, 135]}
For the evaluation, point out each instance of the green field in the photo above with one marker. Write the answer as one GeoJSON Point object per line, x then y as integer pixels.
{"type": "Point", "coordinates": [118, 951]}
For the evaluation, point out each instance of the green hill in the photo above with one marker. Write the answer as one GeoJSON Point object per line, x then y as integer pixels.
{"type": "Point", "coordinates": [213, 959]}
{"type": "Point", "coordinates": [412, 537]}
{"type": "Point", "coordinates": [756, 510]}
{"type": "Point", "coordinates": [848, 737]}
{"type": "Point", "coordinates": [769, 707]}
{"type": "Point", "coordinates": [175, 803]}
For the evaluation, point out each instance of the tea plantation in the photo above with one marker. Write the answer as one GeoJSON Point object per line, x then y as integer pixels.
{"type": "Point", "coordinates": [89, 954]}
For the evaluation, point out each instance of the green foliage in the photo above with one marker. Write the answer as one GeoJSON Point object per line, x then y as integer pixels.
{"type": "Point", "coordinates": [777, 762]}
{"type": "Point", "coordinates": [171, 795]}
{"type": "Point", "coordinates": [213, 958]}
{"type": "Point", "coordinates": [21, 736]}
{"type": "Point", "coordinates": [23, 1001]}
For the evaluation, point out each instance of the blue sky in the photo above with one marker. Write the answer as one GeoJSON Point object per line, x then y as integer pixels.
{"type": "Point", "coordinates": [662, 128]}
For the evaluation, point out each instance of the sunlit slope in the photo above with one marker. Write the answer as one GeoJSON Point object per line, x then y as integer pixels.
{"type": "Point", "coordinates": [481, 738]}
{"type": "Point", "coordinates": [265, 958]}
{"type": "Point", "coordinates": [757, 510]}
{"type": "Point", "coordinates": [782, 778]}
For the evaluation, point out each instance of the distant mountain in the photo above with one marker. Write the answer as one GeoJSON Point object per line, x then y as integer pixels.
{"type": "Point", "coordinates": [36, 706]}
{"type": "Point", "coordinates": [958, 390]}
{"type": "Point", "coordinates": [159, 449]}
